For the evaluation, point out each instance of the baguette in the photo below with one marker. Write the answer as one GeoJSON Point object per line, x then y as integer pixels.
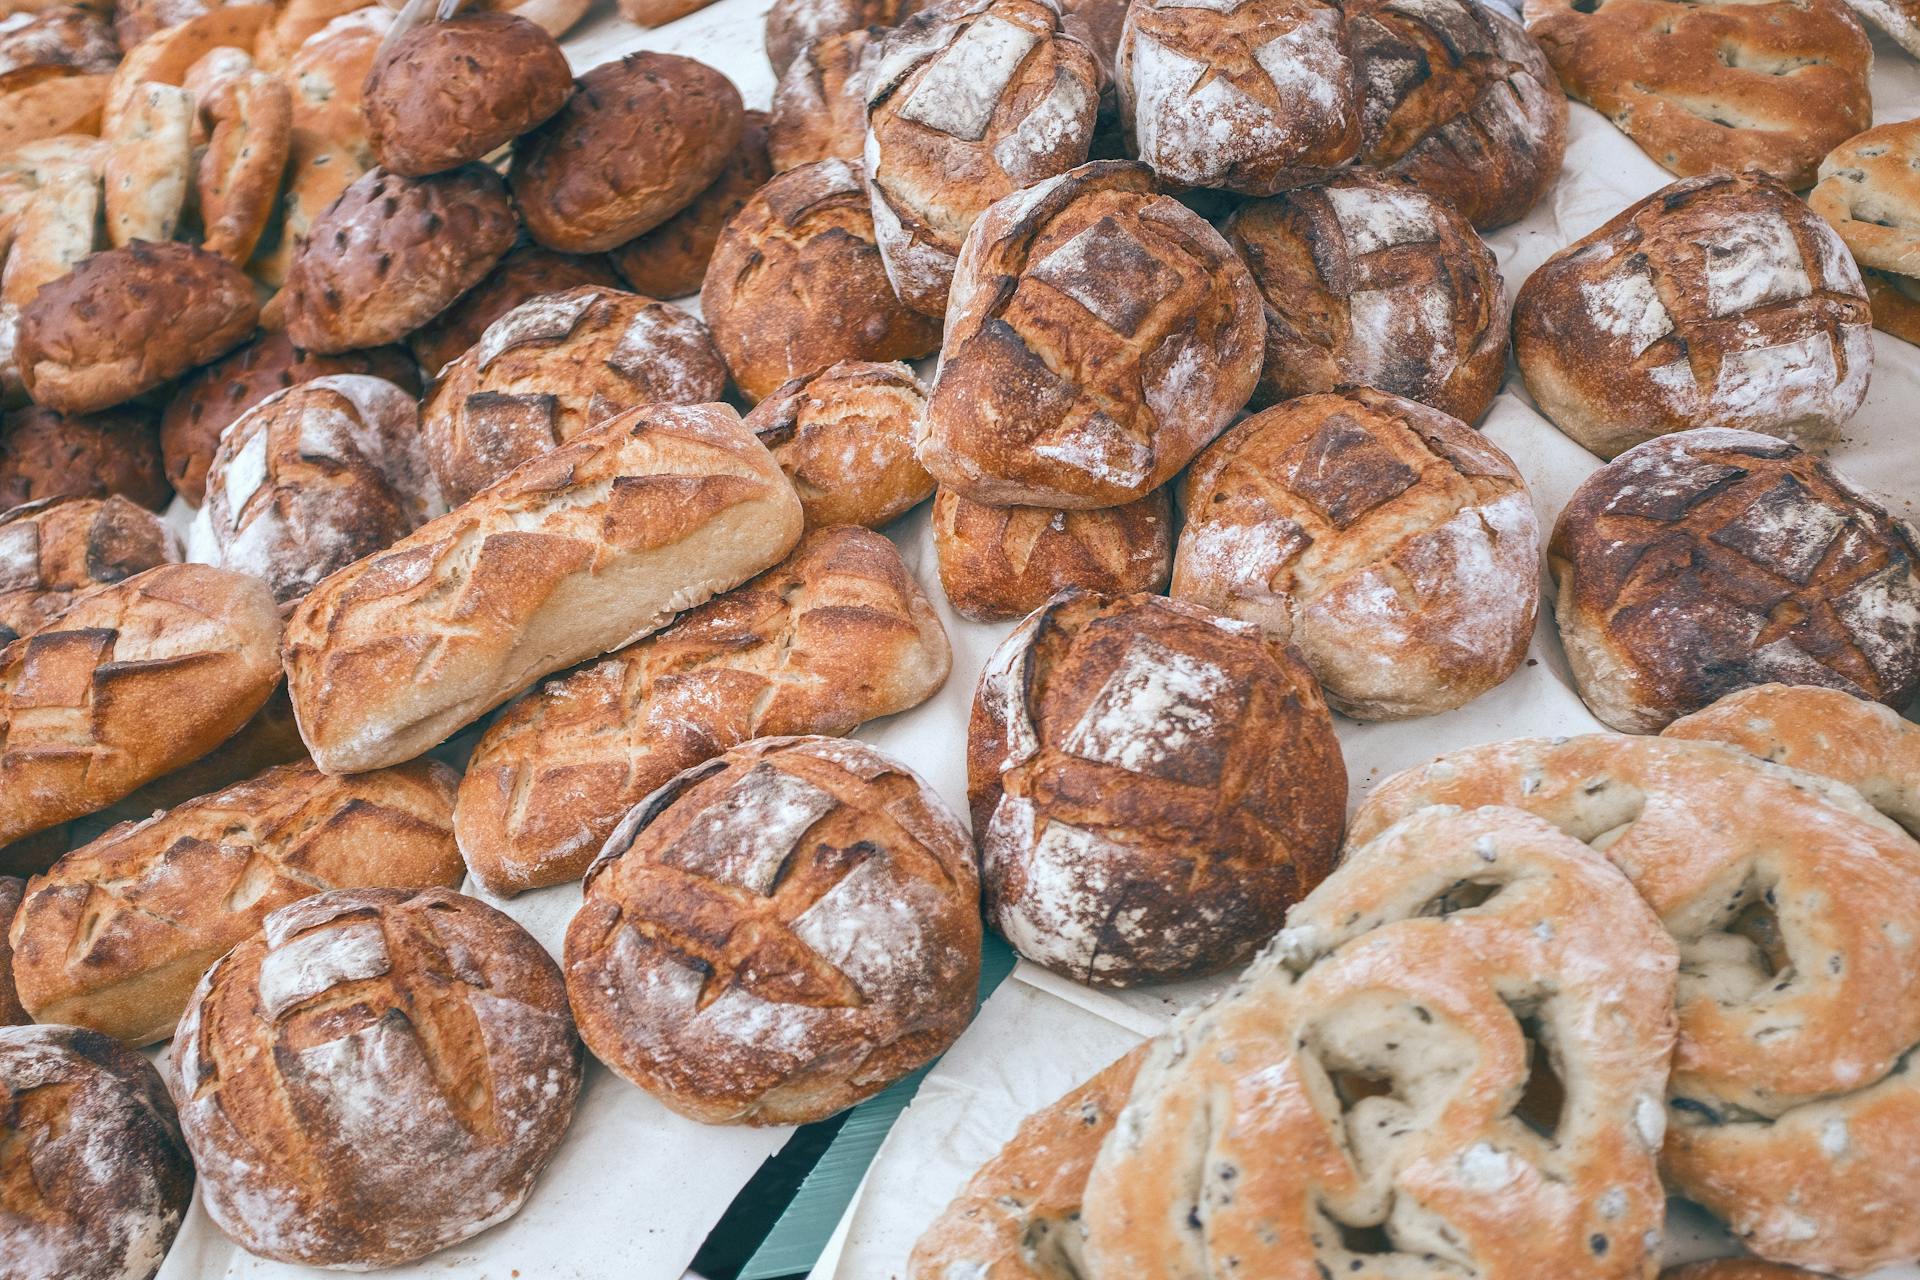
{"type": "Point", "coordinates": [574, 553]}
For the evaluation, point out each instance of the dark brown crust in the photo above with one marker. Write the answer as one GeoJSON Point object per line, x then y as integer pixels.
{"type": "Point", "coordinates": [1895, 310]}
{"type": "Point", "coordinates": [12, 1012]}
{"type": "Point", "coordinates": [449, 92]}
{"type": "Point", "coordinates": [56, 548]}
{"type": "Point", "coordinates": [44, 454]}
{"type": "Point", "coordinates": [1737, 1269]}
{"type": "Point", "coordinates": [127, 320]}
{"type": "Point", "coordinates": [792, 24]}
{"type": "Point", "coordinates": [639, 139]}
{"type": "Point", "coordinates": [820, 105]}
{"type": "Point", "coordinates": [392, 253]}
{"type": "Point", "coordinates": [1004, 562]}
{"type": "Point", "coordinates": [845, 438]}
{"type": "Point", "coordinates": [527, 272]}
{"type": "Point", "coordinates": [63, 35]}
{"type": "Point", "coordinates": [671, 260]}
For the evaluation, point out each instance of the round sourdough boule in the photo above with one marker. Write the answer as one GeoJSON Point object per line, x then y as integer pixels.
{"type": "Point", "coordinates": [820, 104]}
{"type": "Point", "coordinates": [94, 1179]}
{"type": "Point", "coordinates": [797, 284]}
{"type": "Point", "coordinates": [552, 367]}
{"type": "Point", "coordinates": [844, 436]}
{"type": "Point", "coordinates": [44, 454]}
{"type": "Point", "coordinates": [392, 253]}
{"type": "Point", "coordinates": [1100, 334]}
{"type": "Point", "coordinates": [54, 549]}
{"type": "Point", "coordinates": [1394, 547]}
{"type": "Point", "coordinates": [1708, 561]}
{"type": "Point", "coordinates": [58, 36]}
{"type": "Point", "coordinates": [1152, 786]}
{"type": "Point", "coordinates": [527, 272]}
{"type": "Point", "coordinates": [375, 1075]}
{"type": "Point", "coordinates": [777, 934]}
{"type": "Point", "coordinates": [213, 397]}
{"type": "Point", "coordinates": [127, 320]}
{"type": "Point", "coordinates": [1870, 192]}
{"type": "Point", "coordinates": [794, 24]}
{"type": "Point", "coordinates": [1369, 282]}
{"type": "Point", "coordinates": [639, 139]}
{"type": "Point", "coordinates": [1720, 301]}
{"type": "Point", "coordinates": [671, 260]}
{"type": "Point", "coordinates": [448, 92]}
{"type": "Point", "coordinates": [1004, 562]}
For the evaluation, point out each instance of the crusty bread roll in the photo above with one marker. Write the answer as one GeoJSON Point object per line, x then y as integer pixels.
{"type": "Point", "coordinates": [526, 272]}
{"type": "Point", "coordinates": [820, 104]}
{"type": "Point", "coordinates": [374, 1075]}
{"type": "Point", "coordinates": [131, 682]}
{"type": "Point", "coordinates": [249, 119]}
{"type": "Point", "coordinates": [270, 738]}
{"type": "Point", "coordinates": [1395, 548]}
{"type": "Point", "coordinates": [1715, 302]}
{"type": "Point", "coordinates": [794, 24]}
{"type": "Point", "coordinates": [1704, 562]}
{"type": "Point", "coordinates": [574, 554]}
{"type": "Point", "coordinates": [1870, 192]}
{"type": "Point", "coordinates": [670, 261]}
{"type": "Point", "coordinates": [56, 548]}
{"type": "Point", "coordinates": [313, 478]}
{"type": "Point", "coordinates": [1005, 562]}
{"type": "Point", "coordinates": [837, 634]}
{"type": "Point", "coordinates": [12, 1013]}
{"type": "Point", "coordinates": [778, 934]}
{"type": "Point", "coordinates": [95, 1176]}
{"type": "Point", "coordinates": [47, 454]}
{"type": "Point", "coordinates": [1370, 282]}
{"type": "Point", "coordinates": [1152, 787]}
{"type": "Point", "coordinates": [1099, 335]}
{"type": "Point", "coordinates": [845, 438]}
{"type": "Point", "coordinates": [115, 935]}
{"type": "Point", "coordinates": [554, 366]}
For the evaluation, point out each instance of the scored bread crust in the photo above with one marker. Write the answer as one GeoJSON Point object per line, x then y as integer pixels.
{"type": "Point", "coordinates": [54, 549]}
{"type": "Point", "coordinates": [1004, 562]}
{"type": "Point", "coordinates": [670, 261]}
{"type": "Point", "coordinates": [794, 24]}
{"type": "Point", "coordinates": [526, 272]}
{"type": "Point", "coordinates": [820, 104]}
{"type": "Point", "coordinates": [45, 454]}
{"type": "Point", "coordinates": [845, 438]}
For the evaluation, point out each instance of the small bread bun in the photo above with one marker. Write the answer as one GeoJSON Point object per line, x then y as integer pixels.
{"type": "Point", "coordinates": [670, 261]}
{"type": "Point", "coordinates": [820, 104]}
{"type": "Point", "coordinates": [844, 436]}
{"type": "Point", "coordinates": [527, 272]}
{"type": "Point", "coordinates": [44, 454]}
{"type": "Point", "coordinates": [639, 139]}
{"type": "Point", "coordinates": [998, 563]}
{"type": "Point", "coordinates": [392, 253]}
{"type": "Point", "coordinates": [448, 92]}
{"type": "Point", "coordinates": [56, 548]}
{"type": "Point", "coordinates": [127, 320]}
{"type": "Point", "coordinates": [794, 24]}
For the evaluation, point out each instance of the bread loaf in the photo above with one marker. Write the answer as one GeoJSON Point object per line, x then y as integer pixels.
{"type": "Point", "coordinates": [552, 367]}
{"type": "Point", "coordinates": [131, 682]}
{"type": "Point", "coordinates": [1869, 192]}
{"type": "Point", "coordinates": [61, 35]}
{"type": "Point", "coordinates": [270, 738]}
{"type": "Point", "coordinates": [794, 24]}
{"type": "Point", "coordinates": [374, 1075]}
{"type": "Point", "coordinates": [114, 936]}
{"type": "Point", "coordinates": [1900, 19]}
{"type": "Point", "coordinates": [845, 438]}
{"type": "Point", "coordinates": [837, 634]}
{"type": "Point", "coordinates": [778, 934]}
{"type": "Point", "coordinates": [11, 1012]}
{"type": "Point", "coordinates": [47, 454]}
{"type": "Point", "coordinates": [670, 261]}
{"type": "Point", "coordinates": [56, 548]}
{"type": "Point", "coordinates": [1715, 302]}
{"type": "Point", "coordinates": [250, 136]}
{"type": "Point", "coordinates": [1152, 787]}
{"type": "Point", "coordinates": [1005, 562]}
{"type": "Point", "coordinates": [820, 104]}
{"type": "Point", "coordinates": [526, 272]}
{"type": "Point", "coordinates": [1099, 335]}
{"type": "Point", "coordinates": [574, 554]}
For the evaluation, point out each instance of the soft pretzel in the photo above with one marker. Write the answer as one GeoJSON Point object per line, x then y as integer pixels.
{"type": "Point", "coordinates": [1796, 906]}
{"type": "Point", "coordinates": [251, 118]}
{"type": "Point", "coordinates": [146, 172]}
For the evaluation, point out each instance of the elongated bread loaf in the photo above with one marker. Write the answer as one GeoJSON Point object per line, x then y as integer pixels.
{"type": "Point", "coordinates": [114, 937]}
{"type": "Point", "coordinates": [575, 553]}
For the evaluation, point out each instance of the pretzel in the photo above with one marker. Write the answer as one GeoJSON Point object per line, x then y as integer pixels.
{"type": "Point", "coordinates": [146, 171]}
{"type": "Point", "coordinates": [1796, 906]}
{"type": "Point", "coordinates": [251, 115]}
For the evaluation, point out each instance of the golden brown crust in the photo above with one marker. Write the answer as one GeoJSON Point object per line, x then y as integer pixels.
{"type": "Point", "coordinates": [448, 92]}
{"type": "Point", "coordinates": [391, 253]}
{"type": "Point", "coordinates": [1004, 562]}
{"type": "Point", "coordinates": [250, 117]}
{"type": "Point", "coordinates": [1736, 1269]}
{"type": "Point", "coordinates": [845, 438]}
{"type": "Point", "coordinates": [127, 320]}
{"type": "Point", "coordinates": [1705, 562]}
{"type": "Point", "coordinates": [656, 13]}
{"type": "Point", "coordinates": [270, 738]}
{"type": "Point", "coordinates": [44, 454]}
{"type": "Point", "coordinates": [375, 1075]}
{"type": "Point", "coordinates": [1771, 86]}
{"type": "Point", "coordinates": [1369, 282]}
{"type": "Point", "coordinates": [1129, 829]}
{"type": "Point", "coordinates": [12, 1014]}
{"type": "Point", "coordinates": [551, 368]}
{"type": "Point", "coordinates": [49, 102]}
{"type": "Point", "coordinates": [793, 24]}
{"type": "Point", "coordinates": [527, 272]}
{"type": "Point", "coordinates": [61, 35]}
{"type": "Point", "coordinates": [1714, 302]}
{"type": "Point", "coordinates": [116, 934]}
{"type": "Point", "coordinates": [797, 284]}
{"type": "Point", "coordinates": [294, 23]}
{"type": "Point", "coordinates": [1870, 192]}
{"type": "Point", "coordinates": [820, 104]}
{"type": "Point", "coordinates": [54, 549]}
{"type": "Point", "coordinates": [1896, 304]}
{"type": "Point", "coordinates": [639, 139]}
{"type": "Point", "coordinates": [167, 55]}
{"type": "Point", "coordinates": [187, 646]}
{"type": "Point", "coordinates": [808, 885]}
{"type": "Point", "coordinates": [837, 634]}
{"type": "Point", "coordinates": [151, 166]}
{"type": "Point", "coordinates": [670, 261]}
{"type": "Point", "coordinates": [1100, 334]}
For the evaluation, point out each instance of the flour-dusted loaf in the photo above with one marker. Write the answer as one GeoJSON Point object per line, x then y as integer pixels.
{"type": "Point", "coordinates": [1870, 191]}
{"type": "Point", "coordinates": [1704, 562]}
{"type": "Point", "coordinates": [1715, 302]}
{"type": "Point", "coordinates": [47, 454]}
{"type": "Point", "coordinates": [313, 478]}
{"type": "Point", "coordinates": [574, 554]}
{"type": "Point", "coordinates": [131, 682]}
{"type": "Point", "coordinates": [374, 1075]}
{"type": "Point", "coordinates": [837, 634]}
{"type": "Point", "coordinates": [968, 102]}
{"type": "Point", "coordinates": [845, 438]}
{"type": "Point", "coordinates": [552, 367]}
{"type": "Point", "coordinates": [527, 272]}
{"type": "Point", "coordinates": [1395, 548]}
{"type": "Point", "coordinates": [115, 935]}
{"type": "Point", "coordinates": [1152, 787]}
{"type": "Point", "coordinates": [94, 1179]}
{"type": "Point", "coordinates": [1099, 335]}
{"type": "Point", "coordinates": [778, 934]}
{"type": "Point", "coordinates": [794, 24]}
{"type": "Point", "coordinates": [54, 549]}
{"type": "Point", "coordinates": [1004, 562]}
{"type": "Point", "coordinates": [820, 104]}
{"type": "Point", "coordinates": [670, 261]}
{"type": "Point", "coordinates": [1370, 282]}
